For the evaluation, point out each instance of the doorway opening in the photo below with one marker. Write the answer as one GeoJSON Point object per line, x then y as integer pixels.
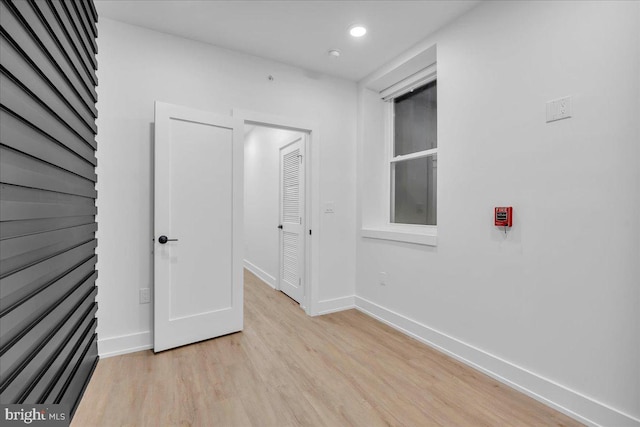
{"type": "Point", "coordinates": [276, 223]}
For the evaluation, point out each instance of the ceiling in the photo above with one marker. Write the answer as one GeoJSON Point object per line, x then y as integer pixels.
{"type": "Point", "coordinates": [298, 32]}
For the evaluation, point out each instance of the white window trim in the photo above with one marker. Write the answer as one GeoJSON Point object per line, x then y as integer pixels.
{"type": "Point", "coordinates": [416, 155]}
{"type": "Point", "coordinates": [408, 84]}
{"type": "Point", "coordinates": [424, 235]}
{"type": "Point", "coordinates": [411, 76]}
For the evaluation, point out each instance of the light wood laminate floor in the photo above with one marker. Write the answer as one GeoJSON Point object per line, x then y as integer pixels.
{"type": "Point", "coordinates": [288, 369]}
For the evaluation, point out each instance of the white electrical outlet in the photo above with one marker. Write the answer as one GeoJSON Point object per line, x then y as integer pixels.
{"type": "Point", "coordinates": [329, 207]}
{"type": "Point", "coordinates": [383, 278]}
{"type": "Point", "coordinates": [559, 109]}
{"type": "Point", "coordinates": [145, 296]}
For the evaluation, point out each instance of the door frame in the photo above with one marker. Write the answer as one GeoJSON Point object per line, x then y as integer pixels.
{"type": "Point", "coordinates": [312, 195]}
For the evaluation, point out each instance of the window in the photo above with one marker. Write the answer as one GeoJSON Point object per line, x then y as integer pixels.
{"type": "Point", "coordinates": [414, 154]}
{"type": "Point", "coordinates": [399, 104]}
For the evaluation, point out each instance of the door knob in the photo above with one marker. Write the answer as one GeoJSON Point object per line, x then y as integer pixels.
{"type": "Point", "coordinates": [164, 239]}
{"type": "Point", "coordinates": [280, 226]}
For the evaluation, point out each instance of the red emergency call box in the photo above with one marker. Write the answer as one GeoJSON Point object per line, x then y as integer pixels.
{"type": "Point", "coordinates": [503, 216]}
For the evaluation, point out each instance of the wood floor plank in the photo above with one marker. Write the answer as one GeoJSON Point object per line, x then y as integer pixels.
{"type": "Point", "coordinates": [288, 369]}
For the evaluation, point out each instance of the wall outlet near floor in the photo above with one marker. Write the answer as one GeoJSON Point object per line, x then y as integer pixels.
{"type": "Point", "coordinates": [559, 109]}
{"type": "Point", "coordinates": [383, 278]}
{"type": "Point", "coordinates": [145, 296]}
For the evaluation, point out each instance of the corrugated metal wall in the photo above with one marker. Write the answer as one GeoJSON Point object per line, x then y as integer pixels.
{"type": "Point", "coordinates": [48, 344]}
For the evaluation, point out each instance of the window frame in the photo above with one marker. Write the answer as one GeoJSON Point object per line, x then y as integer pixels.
{"type": "Point", "coordinates": [415, 81]}
{"type": "Point", "coordinates": [402, 77]}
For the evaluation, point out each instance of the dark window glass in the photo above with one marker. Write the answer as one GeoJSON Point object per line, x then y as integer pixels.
{"type": "Point", "coordinates": [415, 124]}
{"type": "Point", "coordinates": [414, 191]}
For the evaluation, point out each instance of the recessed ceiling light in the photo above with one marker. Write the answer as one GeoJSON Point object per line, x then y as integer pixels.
{"type": "Point", "coordinates": [334, 53]}
{"type": "Point", "coordinates": [357, 31]}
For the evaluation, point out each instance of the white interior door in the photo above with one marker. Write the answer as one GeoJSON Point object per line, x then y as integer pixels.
{"type": "Point", "coordinates": [292, 216]}
{"type": "Point", "coordinates": [198, 202]}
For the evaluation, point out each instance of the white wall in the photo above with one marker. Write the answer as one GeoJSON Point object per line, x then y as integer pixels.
{"type": "Point", "coordinates": [553, 307]}
{"type": "Point", "coordinates": [139, 66]}
{"type": "Point", "coordinates": [261, 199]}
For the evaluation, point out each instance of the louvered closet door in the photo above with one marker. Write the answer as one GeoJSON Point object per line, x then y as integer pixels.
{"type": "Point", "coordinates": [292, 219]}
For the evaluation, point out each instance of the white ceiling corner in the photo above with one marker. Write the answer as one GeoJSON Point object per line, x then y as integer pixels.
{"type": "Point", "coordinates": [298, 33]}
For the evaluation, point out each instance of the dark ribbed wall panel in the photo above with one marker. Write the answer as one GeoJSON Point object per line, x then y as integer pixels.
{"type": "Point", "coordinates": [48, 342]}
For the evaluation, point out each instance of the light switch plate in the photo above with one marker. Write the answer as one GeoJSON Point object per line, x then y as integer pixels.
{"type": "Point", "coordinates": [559, 109]}
{"type": "Point", "coordinates": [329, 207]}
{"type": "Point", "coordinates": [145, 296]}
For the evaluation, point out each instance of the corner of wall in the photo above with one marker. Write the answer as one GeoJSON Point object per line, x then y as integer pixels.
{"type": "Point", "coordinates": [123, 344]}
{"type": "Point", "coordinates": [260, 273]}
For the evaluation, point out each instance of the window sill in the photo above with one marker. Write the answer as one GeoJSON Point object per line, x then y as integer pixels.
{"type": "Point", "coordinates": [417, 235]}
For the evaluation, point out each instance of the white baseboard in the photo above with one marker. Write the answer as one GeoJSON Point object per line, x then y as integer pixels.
{"type": "Point", "coordinates": [115, 346]}
{"type": "Point", "coordinates": [260, 273]}
{"type": "Point", "coordinates": [563, 399]}
{"type": "Point", "coordinates": [333, 305]}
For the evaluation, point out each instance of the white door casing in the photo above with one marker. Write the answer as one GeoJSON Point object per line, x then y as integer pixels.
{"type": "Point", "coordinates": [198, 173]}
{"type": "Point", "coordinates": [292, 218]}
{"type": "Point", "coordinates": [313, 139]}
